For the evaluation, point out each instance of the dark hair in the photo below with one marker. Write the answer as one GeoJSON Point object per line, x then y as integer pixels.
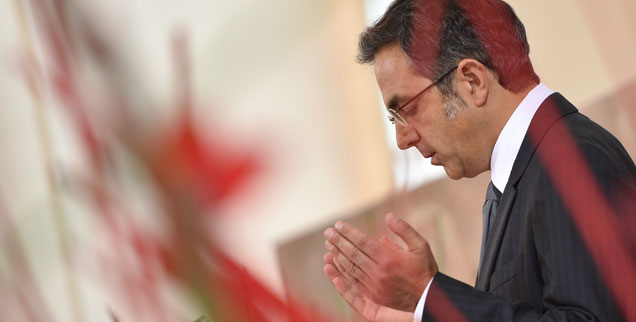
{"type": "Point", "coordinates": [437, 34]}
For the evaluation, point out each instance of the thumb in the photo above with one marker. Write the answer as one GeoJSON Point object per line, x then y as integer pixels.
{"type": "Point", "coordinates": [413, 240]}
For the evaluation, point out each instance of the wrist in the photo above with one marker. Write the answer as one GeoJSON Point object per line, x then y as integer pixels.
{"type": "Point", "coordinates": [419, 309]}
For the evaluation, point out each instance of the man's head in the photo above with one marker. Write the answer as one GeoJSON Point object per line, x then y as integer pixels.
{"type": "Point", "coordinates": [419, 41]}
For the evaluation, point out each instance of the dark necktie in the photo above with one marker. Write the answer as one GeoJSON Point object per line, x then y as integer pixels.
{"type": "Point", "coordinates": [489, 211]}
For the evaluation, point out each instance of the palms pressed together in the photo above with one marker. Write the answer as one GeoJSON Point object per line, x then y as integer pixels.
{"type": "Point", "coordinates": [370, 310]}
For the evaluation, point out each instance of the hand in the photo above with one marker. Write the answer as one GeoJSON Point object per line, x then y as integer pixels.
{"type": "Point", "coordinates": [370, 310]}
{"type": "Point", "coordinates": [384, 272]}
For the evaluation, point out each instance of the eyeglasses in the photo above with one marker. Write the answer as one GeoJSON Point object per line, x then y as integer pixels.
{"type": "Point", "coordinates": [394, 113]}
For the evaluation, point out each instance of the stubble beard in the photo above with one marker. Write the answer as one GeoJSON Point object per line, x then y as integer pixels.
{"type": "Point", "coordinates": [453, 105]}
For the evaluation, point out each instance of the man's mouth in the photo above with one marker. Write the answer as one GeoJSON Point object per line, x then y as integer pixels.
{"type": "Point", "coordinates": [435, 159]}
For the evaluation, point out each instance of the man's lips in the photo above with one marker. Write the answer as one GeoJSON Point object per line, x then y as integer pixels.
{"type": "Point", "coordinates": [435, 159]}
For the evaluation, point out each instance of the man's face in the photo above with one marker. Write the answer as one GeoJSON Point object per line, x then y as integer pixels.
{"type": "Point", "coordinates": [450, 143]}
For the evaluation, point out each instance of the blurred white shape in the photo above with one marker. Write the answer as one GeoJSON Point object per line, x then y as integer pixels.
{"type": "Point", "coordinates": [375, 8]}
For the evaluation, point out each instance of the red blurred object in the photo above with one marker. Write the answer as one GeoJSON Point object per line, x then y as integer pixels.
{"type": "Point", "coordinates": [193, 176]}
{"type": "Point", "coordinates": [593, 215]}
{"type": "Point", "coordinates": [181, 160]}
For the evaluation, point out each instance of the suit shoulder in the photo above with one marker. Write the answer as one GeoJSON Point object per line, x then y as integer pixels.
{"type": "Point", "coordinates": [574, 145]}
{"type": "Point", "coordinates": [600, 149]}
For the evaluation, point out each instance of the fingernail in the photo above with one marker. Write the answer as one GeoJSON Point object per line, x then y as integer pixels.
{"type": "Point", "coordinates": [328, 233]}
{"type": "Point", "coordinates": [338, 225]}
{"type": "Point", "coordinates": [328, 245]}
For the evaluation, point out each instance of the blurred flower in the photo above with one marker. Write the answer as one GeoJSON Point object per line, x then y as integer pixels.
{"type": "Point", "coordinates": [189, 176]}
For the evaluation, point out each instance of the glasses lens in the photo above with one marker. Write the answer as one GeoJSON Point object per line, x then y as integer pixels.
{"type": "Point", "coordinates": [395, 117]}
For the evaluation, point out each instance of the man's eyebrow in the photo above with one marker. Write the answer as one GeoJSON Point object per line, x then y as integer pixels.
{"type": "Point", "coordinates": [393, 102]}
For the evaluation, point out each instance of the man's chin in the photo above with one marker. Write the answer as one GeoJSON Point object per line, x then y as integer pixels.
{"type": "Point", "coordinates": [454, 175]}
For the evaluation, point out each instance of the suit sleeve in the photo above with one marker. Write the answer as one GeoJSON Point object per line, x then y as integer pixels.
{"type": "Point", "coordinates": [572, 286]}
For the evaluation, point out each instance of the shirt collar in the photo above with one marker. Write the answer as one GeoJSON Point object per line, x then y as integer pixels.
{"type": "Point", "coordinates": [510, 138]}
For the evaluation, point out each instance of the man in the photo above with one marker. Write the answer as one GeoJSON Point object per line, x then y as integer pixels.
{"type": "Point", "coordinates": [457, 81]}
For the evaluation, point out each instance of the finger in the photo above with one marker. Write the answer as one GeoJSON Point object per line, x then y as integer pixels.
{"type": "Point", "coordinates": [359, 239]}
{"type": "Point", "coordinates": [333, 251]}
{"type": "Point", "coordinates": [340, 268]}
{"type": "Point", "coordinates": [388, 243]}
{"type": "Point", "coordinates": [351, 269]}
{"type": "Point", "coordinates": [413, 240]}
{"type": "Point", "coordinates": [330, 247]}
{"type": "Point", "coordinates": [332, 272]}
{"type": "Point", "coordinates": [337, 244]}
{"type": "Point", "coordinates": [331, 262]}
{"type": "Point", "coordinates": [344, 271]}
{"type": "Point", "coordinates": [342, 265]}
{"type": "Point", "coordinates": [354, 250]}
{"type": "Point", "coordinates": [328, 258]}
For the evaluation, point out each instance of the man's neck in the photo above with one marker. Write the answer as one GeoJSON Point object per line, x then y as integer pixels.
{"type": "Point", "coordinates": [510, 102]}
{"type": "Point", "coordinates": [507, 103]}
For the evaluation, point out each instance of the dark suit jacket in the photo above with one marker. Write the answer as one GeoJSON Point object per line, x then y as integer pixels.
{"type": "Point", "coordinates": [537, 263]}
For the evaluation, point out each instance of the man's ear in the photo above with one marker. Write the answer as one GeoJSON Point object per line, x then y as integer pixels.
{"type": "Point", "coordinates": [472, 77]}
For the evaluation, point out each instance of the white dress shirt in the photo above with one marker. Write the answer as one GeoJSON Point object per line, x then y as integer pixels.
{"type": "Point", "coordinates": [511, 136]}
{"type": "Point", "coordinates": [504, 153]}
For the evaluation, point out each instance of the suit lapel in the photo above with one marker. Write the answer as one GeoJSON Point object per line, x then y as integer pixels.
{"type": "Point", "coordinates": [541, 122]}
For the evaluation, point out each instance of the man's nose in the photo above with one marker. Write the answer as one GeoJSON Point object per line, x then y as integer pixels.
{"type": "Point", "coordinates": [406, 136]}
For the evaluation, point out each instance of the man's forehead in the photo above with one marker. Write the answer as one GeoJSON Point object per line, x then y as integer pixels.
{"type": "Point", "coordinates": [389, 61]}
{"type": "Point", "coordinates": [394, 73]}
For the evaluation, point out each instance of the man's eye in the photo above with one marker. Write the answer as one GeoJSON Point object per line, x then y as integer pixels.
{"type": "Point", "coordinates": [408, 111]}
